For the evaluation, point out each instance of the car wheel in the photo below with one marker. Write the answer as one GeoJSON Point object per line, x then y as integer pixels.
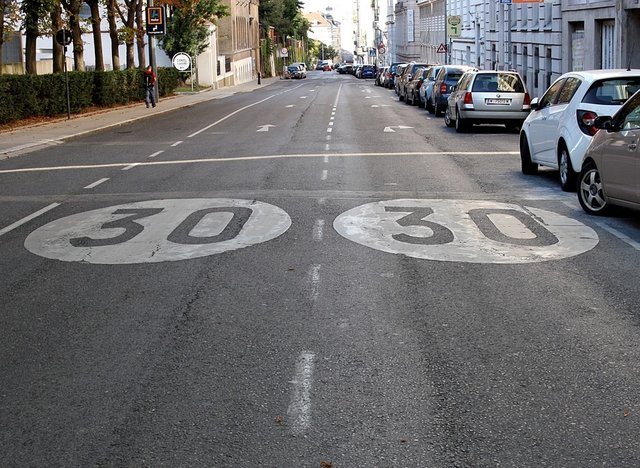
{"type": "Point", "coordinates": [567, 174]}
{"type": "Point", "coordinates": [528, 166]}
{"type": "Point", "coordinates": [447, 118]}
{"type": "Point", "coordinates": [590, 194]}
{"type": "Point", "coordinates": [461, 124]}
{"type": "Point", "coordinates": [436, 110]}
{"type": "Point", "coordinates": [429, 106]}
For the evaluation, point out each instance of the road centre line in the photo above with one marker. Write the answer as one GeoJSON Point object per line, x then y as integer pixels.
{"type": "Point", "coordinates": [325, 173]}
{"type": "Point", "coordinates": [96, 183]}
{"type": "Point", "coordinates": [176, 143]}
{"type": "Point", "coordinates": [26, 219]}
{"type": "Point", "coordinates": [299, 411]}
{"type": "Point", "coordinates": [623, 237]}
{"type": "Point", "coordinates": [318, 230]}
{"type": "Point", "coordinates": [239, 110]}
{"type": "Point", "coordinates": [265, 157]}
{"type": "Point", "coordinates": [156, 154]}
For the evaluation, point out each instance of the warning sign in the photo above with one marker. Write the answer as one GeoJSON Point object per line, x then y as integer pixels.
{"type": "Point", "coordinates": [442, 49]}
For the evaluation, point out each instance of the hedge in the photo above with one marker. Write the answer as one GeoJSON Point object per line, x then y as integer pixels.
{"type": "Point", "coordinates": [23, 96]}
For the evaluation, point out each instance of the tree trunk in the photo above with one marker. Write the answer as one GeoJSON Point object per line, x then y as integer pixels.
{"type": "Point", "coordinates": [58, 49]}
{"type": "Point", "coordinates": [73, 9]}
{"type": "Point", "coordinates": [113, 33]}
{"type": "Point", "coordinates": [2, 9]}
{"type": "Point", "coordinates": [94, 5]}
{"type": "Point", "coordinates": [140, 33]}
{"type": "Point", "coordinates": [30, 66]}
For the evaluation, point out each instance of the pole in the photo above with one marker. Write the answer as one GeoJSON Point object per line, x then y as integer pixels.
{"type": "Point", "coordinates": [152, 57]}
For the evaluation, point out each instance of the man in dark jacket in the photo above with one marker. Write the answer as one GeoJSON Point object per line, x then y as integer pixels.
{"type": "Point", "coordinates": [149, 86]}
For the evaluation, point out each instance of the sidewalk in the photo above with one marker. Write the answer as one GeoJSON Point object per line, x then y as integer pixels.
{"type": "Point", "coordinates": [54, 132]}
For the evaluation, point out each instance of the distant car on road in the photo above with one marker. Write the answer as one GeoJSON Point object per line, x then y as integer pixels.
{"type": "Point", "coordinates": [561, 124]}
{"type": "Point", "coordinates": [368, 71]}
{"type": "Point", "coordinates": [610, 171]}
{"type": "Point", "coordinates": [296, 72]}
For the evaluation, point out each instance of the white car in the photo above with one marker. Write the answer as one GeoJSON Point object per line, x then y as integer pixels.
{"type": "Point", "coordinates": [561, 123]}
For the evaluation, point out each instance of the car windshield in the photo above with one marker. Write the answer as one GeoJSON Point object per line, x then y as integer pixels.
{"type": "Point", "coordinates": [612, 91]}
{"type": "Point", "coordinates": [498, 82]}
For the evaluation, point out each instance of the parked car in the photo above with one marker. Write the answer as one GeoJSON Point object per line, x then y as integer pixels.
{"type": "Point", "coordinates": [413, 86]}
{"type": "Point", "coordinates": [446, 79]}
{"type": "Point", "coordinates": [427, 87]}
{"type": "Point", "coordinates": [408, 74]}
{"type": "Point", "coordinates": [397, 74]}
{"type": "Point", "coordinates": [380, 75]}
{"type": "Point", "coordinates": [357, 70]}
{"type": "Point", "coordinates": [368, 71]}
{"type": "Point", "coordinates": [301, 65]}
{"type": "Point", "coordinates": [393, 71]}
{"type": "Point", "coordinates": [561, 124]}
{"type": "Point", "coordinates": [496, 97]}
{"type": "Point", "coordinates": [345, 68]}
{"type": "Point", "coordinates": [609, 174]}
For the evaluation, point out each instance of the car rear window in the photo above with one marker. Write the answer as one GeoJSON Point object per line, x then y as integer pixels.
{"type": "Point", "coordinates": [498, 82]}
{"type": "Point", "coordinates": [612, 91]}
{"type": "Point", "coordinates": [453, 77]}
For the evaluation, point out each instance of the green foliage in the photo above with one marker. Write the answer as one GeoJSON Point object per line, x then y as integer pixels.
{"type": "Point", "coordinates": [23, 96]}
{"type": "Point", "coordinates": [285, 16]}
{"type": "Point", "coordinates": [187, 28]}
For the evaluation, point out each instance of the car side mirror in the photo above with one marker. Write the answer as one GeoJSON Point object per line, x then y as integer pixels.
{"type": "Point", "coordinates": [604, 122]}
{"type": "Point", "coordinates": [534, 103]}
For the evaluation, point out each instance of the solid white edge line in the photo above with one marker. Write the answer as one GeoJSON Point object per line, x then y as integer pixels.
{"type": "Point", "coordinates": [620, 235]}
{"type": "Point", "coordinates": [96, 183]}
{"type": "Point", "coordinates": [28, 218]}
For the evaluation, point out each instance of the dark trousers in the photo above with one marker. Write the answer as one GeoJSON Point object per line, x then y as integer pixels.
{"type": "Point", "coordinates": [149, 96]}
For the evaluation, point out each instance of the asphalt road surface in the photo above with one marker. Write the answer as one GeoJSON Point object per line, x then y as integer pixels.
{"type": "Point", "coordinates": [312, 274]}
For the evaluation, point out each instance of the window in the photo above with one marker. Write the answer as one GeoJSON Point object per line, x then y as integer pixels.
{"type": "Point", "coordinates": [612, 91]}
{"type": "Point", "coordinates": [548, 15]}
{"type": "Point", "coordinates": [570, 87]}
{"type": "Point", "coordinates": [549, 98]}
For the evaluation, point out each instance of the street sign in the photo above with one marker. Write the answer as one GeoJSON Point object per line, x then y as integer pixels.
{"type": "Point", "coordinates": [155, 20]}
{"type": "Point", "coordinates": [181, 61]}
{"type": "Point", "coordinates": [442, 49]}
{"type": "Point", "coordinates": [284, 52]}
{"type": "Point", "coordinates": [381, 50]}
{"type": "Point", "coordinates": [64, 37]}
{"type": "Point", "coordinates": [453, 26]}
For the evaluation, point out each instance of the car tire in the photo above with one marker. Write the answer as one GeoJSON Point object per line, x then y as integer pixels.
{"type": "Point", "coordinates": [436, 110]}
{"type": "Point", "coordinates": [590, 194]}
{"type": "Point", "coordinates": [565, 169]}
{"type": "Point", "coordinates": [447, 118]}
{"type": "Point", "coordinates": [429, 106]}
{"type": "Point", "coordinates": [528, 166]}
{"type": "Point", "coordinates": [461, 124]}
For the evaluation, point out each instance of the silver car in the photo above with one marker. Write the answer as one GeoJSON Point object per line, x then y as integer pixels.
{"type": "Point", "coordinates": [609, 174]}
{"type": "Point", "coordinates": [496, 97]}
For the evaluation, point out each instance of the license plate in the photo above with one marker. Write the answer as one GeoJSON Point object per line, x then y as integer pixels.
{"type": "Point", "coordinates": [497, 101]}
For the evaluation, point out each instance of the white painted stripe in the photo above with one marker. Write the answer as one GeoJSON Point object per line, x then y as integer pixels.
{"type": "Point", "coordinates": [335, 103]}
{"type": "Point", "coordinates": [325, 173]}
{"type": "Point", "coordinates": [299, 411]}
{"type": "Point", "coordinates": [318, 230]}
{"type": "Point", "coordinates": [26, 219]}
{"type": "Point", "coordinates": [330, 124]}
{"type": "Point", "coordinates": [96, 183]}
{"type": "Point", "coordinates": [176, 143]}
{"type": "Point", "coordinates": [326, 158]}
{"type": "Point", "coordinates": [314, 279]}
{"type": "Point", "coordinates": [130, 166]}
{"type": "Point", "coordinates": [623, 237]}
{"type": "Point", "coordinates": [329, 130]}
{"type": "Point", "coordinates": [322, 201]}
{"type": "Point", "coordinates": [266, 157]}
{"type": "Point", "coordinates": [326, 148]}
{"type": "Point", "coordinates": [155, 154]}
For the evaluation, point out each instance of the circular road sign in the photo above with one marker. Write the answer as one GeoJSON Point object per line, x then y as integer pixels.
{"type": "Point", "coordinates": [64, 37]}
{"type": "Point", "coordinates": [470, 231]}
{"type": "Point", "coordinates": [158, 231]}
{"type": "Point", "coordinates": [181, 61]}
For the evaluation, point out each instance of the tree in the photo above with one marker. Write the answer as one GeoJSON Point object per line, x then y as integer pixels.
{"type": "Point", "coordinates": [9, 12]}
{"type": "Point", "coordinates": [187, 27]}
{"type": "Point", "coordinates": [33, 11]}
{"type": "Point", "coordinates": [72, 7]}
{"type": "Point", "coordinates": [114, 36]}
{"type": "Point", "coordinates": [94, 6]}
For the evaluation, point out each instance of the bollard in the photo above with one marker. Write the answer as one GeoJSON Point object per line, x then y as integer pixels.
{"type": "Point", "coordinates": [258, 77]}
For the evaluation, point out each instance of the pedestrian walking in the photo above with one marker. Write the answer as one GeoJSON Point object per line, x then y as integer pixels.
{"type": "Point", "coordinates": [149, 80]}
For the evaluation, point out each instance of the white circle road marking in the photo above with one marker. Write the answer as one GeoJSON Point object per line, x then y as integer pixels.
{"type": "Point", "coordinates": [158, 231]}
{"type": "Point", "coordinates": [465, 231]}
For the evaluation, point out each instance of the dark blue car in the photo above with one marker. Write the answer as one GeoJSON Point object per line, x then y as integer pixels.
{"type": "Point", "coordinates": [368, 71]}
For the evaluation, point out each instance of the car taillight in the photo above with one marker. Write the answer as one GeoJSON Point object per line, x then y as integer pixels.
{"type": "Point", "coordinates": [586, 122]}
{"type": "Point", "coordinates": [443, 88]}
{"type": "Point", "coordinates": [468, 98]}
{"type": "Point", "coordinates": [527, 101]}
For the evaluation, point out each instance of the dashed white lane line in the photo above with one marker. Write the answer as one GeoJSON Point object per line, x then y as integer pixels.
{"type": "Point", "coordinates": [26, 219]}
{"type": "Point", "coordinates": [623, 237]}
{"type": "Point", "coordinates": [314, 279]}
{"type": "Point", "coordinates": [157, 153]}
{"type": "Point", "coordinates": [329, 130]}
{"type": "Point", "coordinates": [177, 143]}
{"type": "Point", "coordinates": [299, 411]}
{"type": "Point", "coordinates": [318, 230]}
{"type": "Point", "coordinates": [326, 158]}
{"type": "Point", "coordinates": [97, 182]}
{"type": "Point", "coordinates": [130, 166]}
{"type": "Point", "coordinates": [325, 174]}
